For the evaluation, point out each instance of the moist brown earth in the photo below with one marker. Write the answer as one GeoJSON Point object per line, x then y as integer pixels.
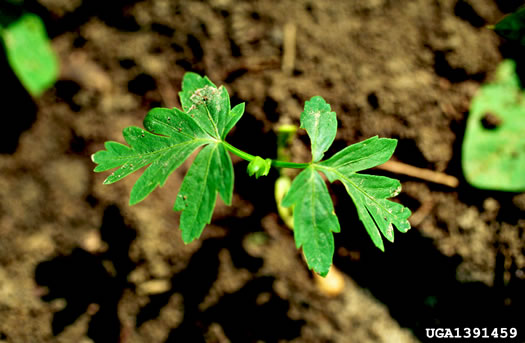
{"type": "Point", "coordinates": [77, 264]}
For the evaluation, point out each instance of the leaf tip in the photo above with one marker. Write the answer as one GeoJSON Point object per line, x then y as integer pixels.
{"type": "Point", "coordinates": [134, 198]}
{"type": "Point", "coordinates": [322, 273]}
{"type": "Point", "coordinates": [99, 168]}
{"type": "Point", "coordinates": [405, 225]}
{"type": "Point", "coordinates": [187, 237]}
{"type": "Point", "coordinates": [396, 191]}
{"type": "Point", "coordinates": [378, 242]}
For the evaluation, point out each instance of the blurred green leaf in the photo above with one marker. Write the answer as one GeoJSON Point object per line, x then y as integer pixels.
{"type": "Point", "coordinates": [29, 53]}
{"type": "Point", "coordinates": [512, 27]}
{"type": "Point", "coordinates": [494, 144]}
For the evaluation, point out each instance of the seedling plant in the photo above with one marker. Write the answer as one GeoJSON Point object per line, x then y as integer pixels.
{"type": "Point", "coordinates": [170, 136]}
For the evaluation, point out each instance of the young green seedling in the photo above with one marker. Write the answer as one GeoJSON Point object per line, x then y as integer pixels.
{"type": "Point", "coordinates": [171, 135]}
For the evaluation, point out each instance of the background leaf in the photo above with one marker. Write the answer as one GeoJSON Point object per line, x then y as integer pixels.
{"type": "Point", "coordinates": [314, 219]}
{"type": "Point", "coordinates": [29, 53]}
{"type": "Point", "coordinates": [493, 151]}
{"type": "Point", "coordinates": [512, 26]}
{"type": "Point", "coordinates": [321, 125]}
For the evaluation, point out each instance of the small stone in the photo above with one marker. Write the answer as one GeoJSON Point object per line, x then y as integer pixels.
{"type": "Point", "coordinates": [154, 287]}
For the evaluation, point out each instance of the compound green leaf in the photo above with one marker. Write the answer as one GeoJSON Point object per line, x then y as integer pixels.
{"type": "Point", "coordinates": [210, 173]}
{"type": "Point", "coordinates": [321, 125]}
{"type": "Point", "coordinates": [369, 192]}
{"type": "Point", "coordinates": [314, 219]}
{"type": "Point", "coordinates": [169, 138]}
{"type": "Point", "coordinates": [493, 151]}
{"type": "Point", "coordinates": [29, 53]}
{"type": "Point", "coordinates": [180, 136]}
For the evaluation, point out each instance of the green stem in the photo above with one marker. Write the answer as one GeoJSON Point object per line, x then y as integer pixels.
{"type": "Point", "coordinates": [276, 163]}
{"type": "Point", "coordinates": [285, 164]}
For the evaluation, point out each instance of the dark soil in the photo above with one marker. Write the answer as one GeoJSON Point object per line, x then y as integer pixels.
{"type": "Point", "coordinates": [77, 264]}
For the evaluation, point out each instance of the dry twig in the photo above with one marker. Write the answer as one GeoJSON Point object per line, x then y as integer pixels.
{"type": "Point", "coordinates": [288, 62]}
{"type": "Point", "coordinates": [420, 173]}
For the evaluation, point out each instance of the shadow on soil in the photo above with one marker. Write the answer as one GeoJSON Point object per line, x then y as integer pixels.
{"type": "Point", "coordinates": [17, 105]}
{"type": "Point", "coordinates": [82, 279]}
{"type": "Point", "coordinates": [418, 284]}
{"type": "Point", "coordinates": [231, 311]}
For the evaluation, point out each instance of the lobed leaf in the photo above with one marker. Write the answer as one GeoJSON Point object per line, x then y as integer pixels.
{"type": "Point", "coordinates": [321, 125]}
{"type": "Point", "coordinates": [314, 219]}
{"type": "Point", "coordinates": [169, 138]}
{"type": "Point", "coordinates": [181, 136]}
{"type": "Point", "coordinates": [210, 173]}
{"type": "Point", "coordinates": [369, 192]}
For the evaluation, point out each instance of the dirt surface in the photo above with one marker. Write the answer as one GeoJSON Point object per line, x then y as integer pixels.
{"type": "Point", "coordinates": [77, 264]}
